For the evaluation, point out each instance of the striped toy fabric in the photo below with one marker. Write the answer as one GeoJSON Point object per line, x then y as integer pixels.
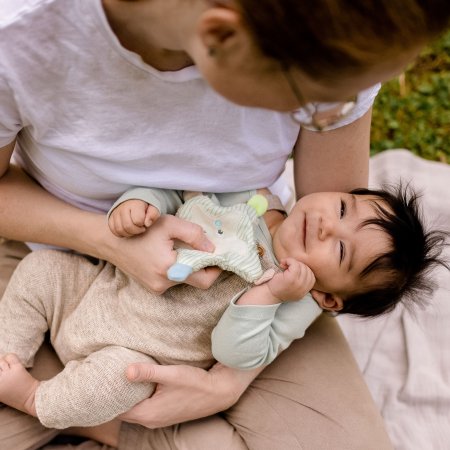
{"type": "Point", "coordinates": [231, 229]}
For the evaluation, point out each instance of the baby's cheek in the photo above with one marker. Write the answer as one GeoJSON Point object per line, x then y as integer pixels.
{"type": "Point", "coordinates": [318, 284]}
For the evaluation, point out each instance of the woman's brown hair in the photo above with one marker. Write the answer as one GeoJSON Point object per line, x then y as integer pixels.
{"type": "Point", "coordinates": [329, 37]}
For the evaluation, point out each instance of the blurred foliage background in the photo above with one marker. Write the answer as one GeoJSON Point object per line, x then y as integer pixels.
{"type": "Point", "coordinates": [413, 110]}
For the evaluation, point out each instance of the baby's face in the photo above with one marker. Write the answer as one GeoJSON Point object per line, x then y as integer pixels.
{"type": "Point", "coordinates": [324, 231]}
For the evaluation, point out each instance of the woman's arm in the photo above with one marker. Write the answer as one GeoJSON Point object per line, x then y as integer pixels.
{"type": "Point", "coordinates": [29, 213]}
{"type": "Point", "coordinates": [186, 393]}
{"type": "Point", "coordinates": [335, 160]}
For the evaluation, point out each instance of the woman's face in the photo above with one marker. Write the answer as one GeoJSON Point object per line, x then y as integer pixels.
{"type": "Point", "coordinates": [258, 81]}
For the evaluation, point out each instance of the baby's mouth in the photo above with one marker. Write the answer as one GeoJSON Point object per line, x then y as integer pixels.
{"type": "Point", "coordinates": [304, 232]}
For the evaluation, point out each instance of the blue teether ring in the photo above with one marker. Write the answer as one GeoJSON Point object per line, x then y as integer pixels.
{"type": "Point", "coordinates": [179, 272]}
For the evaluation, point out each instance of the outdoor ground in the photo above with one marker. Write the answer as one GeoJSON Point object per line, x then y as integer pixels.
{"type": "Point", "coordinates": [413, 110]}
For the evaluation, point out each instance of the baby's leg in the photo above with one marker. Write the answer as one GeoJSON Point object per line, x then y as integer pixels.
{"type": "Point", "coordinates": [92, 391]}
{"type": "Point", "coordinates": [20, 431]}
{"type": "Point", "coordinates": [22, 315]}
{"type": "Point", "coordinates": [45, 287]}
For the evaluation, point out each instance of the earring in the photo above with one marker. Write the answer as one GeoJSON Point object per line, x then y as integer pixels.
{"type": "Point", "coordinates": [212, 51]}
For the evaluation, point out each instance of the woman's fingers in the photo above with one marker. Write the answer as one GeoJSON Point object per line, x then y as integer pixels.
{"type": "Point", "coordinates": [187, 232]}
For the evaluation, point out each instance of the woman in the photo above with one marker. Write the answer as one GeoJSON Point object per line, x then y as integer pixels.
{"type": "Point", "coordinates": [98, 96]}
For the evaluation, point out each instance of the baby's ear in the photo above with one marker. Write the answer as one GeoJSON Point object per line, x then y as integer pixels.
{"type": "Point", "coordinates": [329, 302]}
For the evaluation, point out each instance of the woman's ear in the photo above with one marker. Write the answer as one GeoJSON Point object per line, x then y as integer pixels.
{"type": "Point", "coordinates": [329, 302]}
{"type": "Point", "coordinates": [220, 29]}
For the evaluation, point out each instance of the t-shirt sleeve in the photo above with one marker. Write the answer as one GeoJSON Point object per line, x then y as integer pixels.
{"type": "Point", "coordinates": [249, 336]}
{"type": "Point", "coordinates": [10, 121]}
{"type": "Point", "coordinates": [364, 101]}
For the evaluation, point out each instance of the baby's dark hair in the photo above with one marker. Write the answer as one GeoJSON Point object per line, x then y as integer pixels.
{"type": "Point", "coordinates": [414, 252]}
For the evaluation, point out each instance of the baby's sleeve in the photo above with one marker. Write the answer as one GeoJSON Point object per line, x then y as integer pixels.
{"type": "Point", "coordinates": [167, 201]}
{"type": "Point", "coordinates": [249, 336]}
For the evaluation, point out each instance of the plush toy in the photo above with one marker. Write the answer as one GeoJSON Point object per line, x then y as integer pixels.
{"type": "Point", "coordinates": [231, 229]}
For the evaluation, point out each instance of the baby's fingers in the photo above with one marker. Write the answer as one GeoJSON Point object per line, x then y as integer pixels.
{"type": "Point", "coordinates": [308, 278]}
{"type": "Point", "coordinates": [293, 265]}
{"type": "Point", "coordinates": [299, 272]}
{"type": "Point", "coordinates": [151, 215]}
{"type": "Point", "coordinates": [131, 222]}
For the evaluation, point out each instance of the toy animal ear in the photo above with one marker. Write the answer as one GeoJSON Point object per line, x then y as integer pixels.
{"type": "Point", "coordinates": [259, 203]}
{"type": "Point", "coordinates": [327, 301]}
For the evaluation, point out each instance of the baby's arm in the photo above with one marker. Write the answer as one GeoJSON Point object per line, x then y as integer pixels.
{"type": "Point", "coordinates": [138, 208]}
{"type": "Point", "coordinates": [257, 325]}
{"type": "Point", "coordinates": [250, 336]}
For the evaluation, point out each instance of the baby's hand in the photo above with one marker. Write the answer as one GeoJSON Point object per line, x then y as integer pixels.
{"type": "Point", "coordinates": [132, 217]}
{"type": "Point", "coordinates": [294, 283]}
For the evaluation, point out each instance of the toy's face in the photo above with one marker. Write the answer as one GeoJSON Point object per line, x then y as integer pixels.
{"type": "Point", "coordinates": [231, 229]}
{"type": "Point", "coordinates": [221, 229]}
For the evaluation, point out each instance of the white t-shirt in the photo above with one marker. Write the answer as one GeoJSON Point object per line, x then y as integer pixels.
{"type": "Point", "coordinates": [93, 119]}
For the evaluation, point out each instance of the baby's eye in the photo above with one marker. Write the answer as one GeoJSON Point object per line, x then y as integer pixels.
{"type": "Point", "coordinates": [343, 209]}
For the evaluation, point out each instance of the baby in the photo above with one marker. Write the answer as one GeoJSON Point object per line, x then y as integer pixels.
{"type": "Point", "coordinates": [358, 253]}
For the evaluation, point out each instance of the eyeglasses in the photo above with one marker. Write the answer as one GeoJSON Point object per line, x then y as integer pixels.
{"type": "Point", "coordinates": [318, 116]}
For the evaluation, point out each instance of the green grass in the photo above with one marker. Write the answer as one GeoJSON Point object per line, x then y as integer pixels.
{"type": "Point", "coordinates": [413, 111]}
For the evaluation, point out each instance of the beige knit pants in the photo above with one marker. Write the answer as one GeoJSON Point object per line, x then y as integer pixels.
{"type": "Point", "coordinates": [92, 388]}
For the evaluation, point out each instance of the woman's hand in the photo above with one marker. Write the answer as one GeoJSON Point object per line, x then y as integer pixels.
{"type": "Point", "coordinates": [185, 393]}
{"type": "Point", "coordinates": [148, 256]}
{"type": "Point", "coordinates": [29, 213]}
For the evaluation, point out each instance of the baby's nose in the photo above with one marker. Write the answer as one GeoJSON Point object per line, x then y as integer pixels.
{"type": "Point", "coordinates": [326, 227]}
